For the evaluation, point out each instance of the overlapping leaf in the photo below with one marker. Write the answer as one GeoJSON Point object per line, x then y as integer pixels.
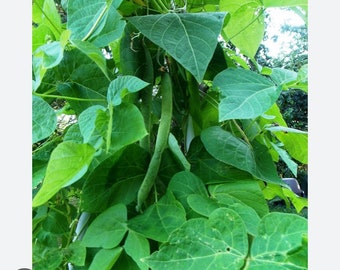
{"type": "Point", "coordinates": [190, 39]}
{"type": "Point", "coordinates": [281, 243]}
{"type": "Point", "coordinates": [108, 228]}
{"type": "Point", "coordinates": [246, 23]}
{"type": "Point", "coordinates": [219, 242]}
{"type": "Point", "coordinates": [160, 219]}
{"type": "Point", "coordinates": [244, 94]}
{"type": "Point", "coordinates": [255, 159]}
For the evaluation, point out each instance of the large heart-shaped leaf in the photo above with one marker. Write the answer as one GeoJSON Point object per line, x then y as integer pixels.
{"type": "Point", "coordinates": [108, 228]}
{"type": "Point", "coordinates": [246, 23]}
{"type": "Point", "coordinates": [69, 161]}
{"type": "Point", "coordinates": [160, 219]}
{"type": "Point", "coordinates": [191, 39]}
{"type": "Point", "coordinates": [219, 242]}
{"type": "Point", "coordinates": [255, 159]}
{"type": "Point", "coordinates": [244, 94]}
{"type": "Point", "coordinates": [281, 243]}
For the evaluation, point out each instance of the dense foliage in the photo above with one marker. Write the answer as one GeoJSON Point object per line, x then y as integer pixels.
{"type": "Point", "coordinates": [170, 155]}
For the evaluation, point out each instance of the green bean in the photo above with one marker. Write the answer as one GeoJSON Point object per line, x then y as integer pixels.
{"type": "Point", "coordinates": [161, 141]}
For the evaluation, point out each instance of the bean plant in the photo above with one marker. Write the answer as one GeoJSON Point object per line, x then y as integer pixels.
{"type": "Point", "coordinates": [169, 157]}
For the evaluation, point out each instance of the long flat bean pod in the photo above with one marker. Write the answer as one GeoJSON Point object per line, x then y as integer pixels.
{"type": "Point", "coordinates": [161, 140]}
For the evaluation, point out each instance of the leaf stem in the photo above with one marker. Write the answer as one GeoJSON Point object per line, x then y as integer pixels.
{"type": "Point", "coordinates": [95, 24]}
{"type": "Point", "coordinates": [66, 97]}
{"type": "Point", "coordinates": [244, 136]}
{"type": "Point", "coordinates": [42, 11]}
{"type": "Point", "coordinates": [109, 128]}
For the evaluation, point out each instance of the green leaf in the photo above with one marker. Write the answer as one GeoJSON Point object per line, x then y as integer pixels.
{"type": "Point", "coordinates": [293, 167]}
{"type": "Point", "coordinates": [209, 169]}
{"type": "Point", "coordinates": [85, 18]}
{"type": "Point", "coordinates": [185, 183]}
{"type": "Point", "coordinates": [44, 58]}
{"type": "Point", "coordinates": [44, 119]}
{"type": "Point", "coordinates": [121, 86]}
{"type": "Point", "coordinates": [112, 29]}
{"type": "Point", "coordinates": [94, 53]}
{"type": "Point", "coordinates": [282, 76]}
{"type": "Point", "coordinates": [296, 145]}
{"type": "Point", "coordinates": [280, 239]}
{"type": "Point", "coordinates": [190, 39]}
{"type": "Point", "coordinates": [39, 35]}
{"type": "Point", "coordinates": [247, 192]}
{"type": "Point", "coordinates": [225, 147]}
{"type": "Point", "coordinates": [68, 163]}
{"type": "Point", "coordinates": [128, 126]}
{"type": "Point", "coordinates": [137, 247]}
{"type": "Point", "coordinates": [244, 94]}
{"type": "Point", "coordinates": [284, 3]}
{"type": "Point", "coordinates": [107, 229]}
{"type": "Point", "coordinates": [219, 242]}
{"type": "Point", "coordinates": [78, 253]}
{"type": "Point", "coordinates": [160, 219]}
{"type": "Point", "coordinates": [88, 127]}
{"type": "Point", "coordinates": [105, 259]}
{"type": "Point", "coordinates": [51, 18]}
{"type": "Point", "coordinates": [81, 92]}
{"type": "Point", "coordinates": [246, 23]}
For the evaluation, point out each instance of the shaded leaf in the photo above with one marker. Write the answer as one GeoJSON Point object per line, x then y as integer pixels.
{"type": "Point", "coordinates": [224, 146]}
{"type": "Point", "coordinates": [81, 92]}
{"type": "Point", "coordinates": [44, 119]}
{"type": "Point", "coordinates": [94, 53]}
{"type": "Point", "coordinates": [137, 247]}
{"type": "Point", "coordinates": [209, 169]}
{"type": "Point", "coordinates": [78, 253]}
{"type": "Point", "coordinates": [185, 183]}
{"type": "Point", "coordinates": [105, 259]}
{"type": "Point", "coordinates": [190, 38]}
{"type": "Point", "coordinates": [107, 229]}
{"type": "Point", "coordinates": [160, 219]}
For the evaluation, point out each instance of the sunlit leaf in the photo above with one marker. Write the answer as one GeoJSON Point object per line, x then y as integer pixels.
{"type": "Point", "coordinates": [123, 85]}
{"type": "Point", "coordinates": [219, 242]}
{"type": "Point", "coordinates": [68, 163]}
{"type": "Point", "coordinates": [281, 243]}
{"type": "Point", "coordinates": [247, 192]}
{"type": "Point", "coordinates": [244, 94]}
{"type": "Point", "coordinates": [246, 23]}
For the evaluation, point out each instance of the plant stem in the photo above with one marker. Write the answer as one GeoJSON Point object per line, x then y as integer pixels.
{"type": "Point", "coordinates": [67, 98]}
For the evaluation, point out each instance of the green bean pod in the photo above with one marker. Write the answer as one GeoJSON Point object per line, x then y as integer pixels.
{"type": "Point", "coordinates": [161, 140]}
